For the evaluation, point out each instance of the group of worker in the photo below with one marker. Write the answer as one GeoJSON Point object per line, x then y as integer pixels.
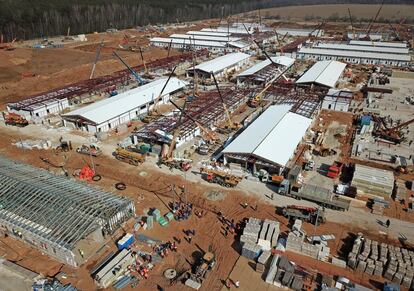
{"type": "Point", "coordinates": [230, 226]}
{"type": "Point", "coordinates": [189, 234]}
{"type": "Point", "coordinates": [182, 210]}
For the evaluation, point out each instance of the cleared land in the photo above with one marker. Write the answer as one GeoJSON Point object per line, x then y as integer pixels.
{"type": "Point", "coordinates": [324, 11]}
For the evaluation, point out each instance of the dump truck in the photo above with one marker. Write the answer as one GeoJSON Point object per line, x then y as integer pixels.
{"type": "Point", "coordinates": [309, 214]}
{"type": "Point", "coordinates": [319, 195]}
{"type": "Point", "coordinates": [220, 177]}
{"type": "Point", "coordinates": [92, 150]}
{"type": "Point", "coordinates": [15, 119]}
{"type": "Point", "coordinates": [335, 170]}
{"type": "Point", "coordinates": [130, 157]}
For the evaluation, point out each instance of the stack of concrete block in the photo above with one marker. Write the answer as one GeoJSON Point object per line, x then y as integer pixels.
{"type": "Point", "coordinates": [251, 251]}
{"type": "Point", "coordinates": [263, 232]}
{"type": "Point", "coordinates": [273, 232]}
{"type": "Point", "coordinates": [270, 277]}
{"type": "Point", "coordinates": [379, 268]}
{"type": "Point", "coordinates": [324, 252]}
{"type": "Point", "coordinates": [297, 283]}
{"type": "Point", "coordinates": [264, 244]}
{"type": "Point", "coordinates": [262, 261]}
{"type": "Point", "coordinates": [369, 269]}
{"type": "Point", "coordinates": [251, 231]}
{"type": "Point", "coordinates": [294, 243]}
{"type": "Point", "coordinates": [361, 266]}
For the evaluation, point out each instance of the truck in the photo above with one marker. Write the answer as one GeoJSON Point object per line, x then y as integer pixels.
{"type": "Point", "coordinates": [92, 150]}
{"type": "Point", "coordinates": [319, 195]}
{"type": "Point", "coordinates": [130, 157]}
{"type": "Point", "coordinates": [220, 177]}
{"type": "Point", "coordinates": [310, 214]}
{"type": "Point", "coordinates": [335, 170]}
{"type": "Point", "coordinates": [15, 119]}
{"type": "Point", "coordinates": [201, 269]}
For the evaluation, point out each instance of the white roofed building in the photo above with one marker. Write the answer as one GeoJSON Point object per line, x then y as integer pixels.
{"type": "Point", "coordinates": [221, 66]}
{"type": "Point", "coordinates": [107, 114]}
{"type": "Point", "coordinates": [270, 141]}
{"type": "Point", "coordinates": [323, 73]}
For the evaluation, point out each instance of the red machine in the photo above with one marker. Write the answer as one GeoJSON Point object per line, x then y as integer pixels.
{"type": "Point", "coordinates": [335, 170]}
{"type": "Point", "coordinates": [15, 119]}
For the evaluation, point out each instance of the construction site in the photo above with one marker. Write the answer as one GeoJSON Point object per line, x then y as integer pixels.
{"type": "Point", "coordinates": [241, 153]}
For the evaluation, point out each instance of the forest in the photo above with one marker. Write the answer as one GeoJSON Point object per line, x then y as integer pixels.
{"type": "Point", "coordinates": [26, 19]}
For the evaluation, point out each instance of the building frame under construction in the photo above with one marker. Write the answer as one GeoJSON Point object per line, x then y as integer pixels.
{"type": "Point", "coordinates": [63, 218]}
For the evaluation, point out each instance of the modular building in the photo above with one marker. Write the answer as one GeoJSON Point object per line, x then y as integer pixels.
{"type": "Point", "coordinates": [377, 182]}
{"type": "Point", "coordinates": [107, 114]}
{"type": "Point", "coordinates": [362, 48]}
{"type": "Point", "coordinates": [39, 109]}
{"type": "Point", "coordinates": [60, 217]}
{"type": "Point", "coordinates": [193, 37]}
{"type": "Point", "coordinates": [300, 32]}
{"type": "Point", "coordinates": [338, 100]}
{"type": "Point", "coordinates": [270, 141]}
{"type": "Point", "coordinates": [354, 57]}
{"type": "Point", "coordinates": [180, 43]}
{"type": "Point", "coordinates": [401, 44]}
{"type": "Point", "coordinates": [323, 73]}
{"type": "Point", "coordinates": [221, 66]}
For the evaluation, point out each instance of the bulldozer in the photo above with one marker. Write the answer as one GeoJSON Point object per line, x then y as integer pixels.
{"type": "Point", "coordinates": [220, 177]}
{"type": "Point", "coordinates": [201, 270]}
{"type": "Point", "coordinates": [15, 119]}
{"type": "Point", "coordinates": [129, 157]}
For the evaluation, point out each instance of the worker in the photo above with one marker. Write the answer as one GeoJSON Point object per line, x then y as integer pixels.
{"type": "Point", "coordinates": [227, 284]}
{"type": "Point", "coordinates": [237, 284]}
{"type": "Point", "coordinates": [245, 205]}
{"type": "Point", "coordinates": [387, 223]}
{"type": "Point", "coordinates": [272, 195]}
{"type": "Point", "coordinates": [255, 208]}
{"type": "Point", "coordinates": [225, 233]}
{"type": "Point", "coordinates": [189, 239]}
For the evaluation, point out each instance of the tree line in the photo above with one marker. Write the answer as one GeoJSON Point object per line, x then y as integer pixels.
{"type": "Point", "coordinates": [26, 19]}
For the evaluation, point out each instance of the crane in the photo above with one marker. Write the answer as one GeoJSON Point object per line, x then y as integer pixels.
{"type": "Point", "coordinates": [209, 136]}
{"type": "Point", "coordinates": [98, 54]}
{"type": "Point", "coordinates": [137, 77]}
{"type": "Point", "coordinates": [152, 114]}
{"type": "Point", "coordinates": [231, 125]}
{"type": "Point", "coordinates": [352, 24]}
{"type": "Point", "coordinates": [168, 156]}
{"type": "Point", "coordinates": [143, 60]}
{"type": "Point", "coordinates": [373, 21]}
{"type": "Point", "coordinates": [393, 134]}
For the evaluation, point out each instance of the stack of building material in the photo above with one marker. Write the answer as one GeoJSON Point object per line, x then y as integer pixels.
{"type": "Point", "coordinates": [150, 222]}
{"type": "Point", "coordinates": [272, 270]}
{"type": "Point", "coordinates": [156, 213]}
{"type": "Point", "coordinates": [162, 221]}
{"type": "Point", "coordinates": [251, 251]}
{"type": "Point", "coordinates": [262, 261]}
{"type": "Point", "coordinates": [294, 243]}
{"type": "Point", "coordinates": [251, 231]}
{"type": "Point", "coordinates": [393, 263]}
{"type": "Point", "coordinates": [323, 252]}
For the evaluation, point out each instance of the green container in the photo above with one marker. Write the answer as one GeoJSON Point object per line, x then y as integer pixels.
{"type": "Point", "coordinates": [169, 216]}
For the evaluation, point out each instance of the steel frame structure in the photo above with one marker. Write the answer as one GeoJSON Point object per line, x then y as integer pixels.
{"type": "Point", "coordinates": [100, 83]}
{"type": "Point", "coordinates": [57, 211]}
{"type": "Point", "coordinates": [206, 109]}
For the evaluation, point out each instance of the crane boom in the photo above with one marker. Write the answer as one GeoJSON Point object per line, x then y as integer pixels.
{"type": "Point", "coordinates": [374, 19]}
{"type": "Point", "coordinates": [391, 130]}
{"type": "Point", "coordinates": [176, 132]}
{"type": "Point", "coordinates": [98, 54]}
{"type": "Point", "coordinates": [231, 124]}
{"type": "Point", "coordinates": [352, 24]}
{"type": "Point", "coordinates": [137, 77]}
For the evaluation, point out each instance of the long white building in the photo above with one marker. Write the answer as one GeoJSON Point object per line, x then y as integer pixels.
{"type": "Point", "coordinates": [107, 114]}
{"type": "Point", "coordinates": [221, 66]}
{"type": "Point", "coordinates": [354, 57]}
{"type": "Point", "coordinates": [362, 48]}
{"type": "Point", "coordinates": [324, 73]}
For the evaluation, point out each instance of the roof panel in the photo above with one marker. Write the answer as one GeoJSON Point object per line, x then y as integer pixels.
{"type": "Point", "coordinates": [212, 33]}
{"type": "Point", "coordinates": [325, 73]}
{"type": "Point", "coordinates": [379, 43]}
{"type": "Point", "coordinates": [109, 108]}
{"type": "Point", "coordinates": [281, 60]}
{"type": "Point", "coordinates": [362, 48]}
{"type": "Point", "coordinates": [187, 41]}
{"type": "Point", "coordinates": [204, 37]}
{"type": "Point", "coordinates": [220, 63]}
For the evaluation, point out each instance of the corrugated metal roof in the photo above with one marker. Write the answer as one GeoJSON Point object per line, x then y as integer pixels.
{"type": "Point", "coordinates": [211, 33]}
{"type": "Point", "coordinates": [324, 72]}
{"type": "Point", "coordinates": [281, 60]}
{"type": "Point", "coordinates": [231, 30]}
{"type": "Point", "coordinates": [374, 176]}
{"type": "Point", "coordinates": [299, 31]}
{"type": "Point", "coordinates": [204, 37]}
{"type": "Point", "coordinates": [273, 136]}
{"type": "Point", "coordinates": [220, 63]}
{"type": "Point", "coordinates": [107, 109]}
{"type": "Point", "coordinates": [238, 44]}
{"type": "Point", "coordinates": [188, 42]}
{"type": "Point", "coordinates": [362, 48]}
{"type": "Point", "coordinates": [379, 43]}
{"type": "Point", "coordinates": [354, 54]}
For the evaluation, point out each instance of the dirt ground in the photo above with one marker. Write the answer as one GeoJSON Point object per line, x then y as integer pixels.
{"type": "Point", "coordinates": [149, 189]}
{"type": "Point", "coordinates": [324, 11]}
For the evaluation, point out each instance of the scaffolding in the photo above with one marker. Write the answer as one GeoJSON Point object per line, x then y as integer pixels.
{"type": "Point", "coordinates": [54, 211]}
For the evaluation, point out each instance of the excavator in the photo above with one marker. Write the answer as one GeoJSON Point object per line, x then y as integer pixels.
{"type": "Point", "coordinates": [154, 114]}
{"type": "Point", "coordinates": [231, 126]}
{"type": "Point", "coordinates": [168, 158]}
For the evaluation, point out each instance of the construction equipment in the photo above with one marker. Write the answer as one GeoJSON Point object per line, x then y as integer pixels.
{"type": "Point", "coordinates": [130, 157]}
{"type": "Point", "coordinates": [323, 151]}
{"type": "Point", "coordinates": [64, 146]}
{"type": "Point", "coordinates": [255, 101]}
{"type": "Point", "coordinates": [310, 214]}
{"type": "Point", "coordinates": [209, 136]}
{"type": "Point", "coordinates": [352, 24]}
{"type": "Point", "coordinates": [231, 126]}
{"type": "Point", "coordinates": [335, 170]}
{"type": "Point", "coordinates": [372, 22]}
{"type": "Point", "coordinates": [201, 269]}
{"type": "Point", "coordinates": [153, 113]}
{"type": "Point", "coordinates": [137, 77]}
{"type": "Point", "coordinates": [98, 54]}
{"type": "Point", "coordinates": [15, 119]}
{"type": "Point", "coordinates": [220, 177]}
{"type": "Point", "coordinates": [90, 150]}
{"type": "Point", "coordinates": [392, 134]}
